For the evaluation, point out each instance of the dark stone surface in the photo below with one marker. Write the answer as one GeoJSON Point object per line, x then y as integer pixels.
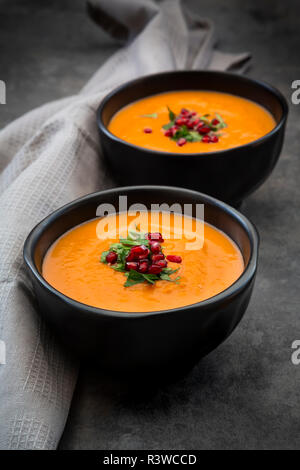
{"type": "Point", "coordinates": [246, 393]}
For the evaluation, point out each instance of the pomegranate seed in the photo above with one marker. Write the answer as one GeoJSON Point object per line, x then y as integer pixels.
{"type": "Point", "coordinates": [146, 251]}
{"type": "Point", "coordinates": [181, 141]}
{"type": "Point", "coordinates": [214, 138]}
{"type": "Point", "coordinates": [193, 113]}
{"type": "Point", "coordinates": [142, 258]}
{"type": "Point", "coordinates": [131, 265]}
{"type": "Point", "coordinates": [206, 139]}
{"type": "Point", "coordinates": [140, 250]}
{"type": "Point", "coordinates": [148, 130]}
{"type": "Point", "coordinates": [154, 269]}
{"type": "Point", "coordinates": [174, 258]}
{"type": "Point", "coordinates": [201, 124]}
{"type": "Point", "coordinates": [215, 122]}
{"type": "Point", "coordinates": [181, 121]}
{"type": "Point", "coordinates": [168, 133]}
{"type": "Point", "coordinates": [204, 130]}
{"type": "Point", "coordinates": [155, 236]}
{"type": "Point", "coordinates": [173, 130]}
{"type": "Point", "coordinates": [196, 122]}
{"type": "Point", "coordinates": [158, 257]}
{"type": "Point", "coordinates": [155, 247]}
{"type": "Point", "coordinates": [111, 257]}
{"type": "Point", "coordinates": [162, 263]}
{"type": "Point", "coordinates": [143, 266]}
{"type": "Point", "coordinates": [190, 124]}
{"type": "Point", "coordinates": [184, 111]}
{"type": "Point", "coordinates": [130, 257]}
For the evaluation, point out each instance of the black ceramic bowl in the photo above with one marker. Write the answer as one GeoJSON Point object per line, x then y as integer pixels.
{"type": "Point", "coordinates": [229, 175]}
{"type": "Point", "coordinates": [163, 342]}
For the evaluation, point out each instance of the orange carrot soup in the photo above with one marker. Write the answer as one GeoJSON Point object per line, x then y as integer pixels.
{"type": "Point", "coordinates": [191, 122]}
{"type": "Point", "coordinates": [142, 272]}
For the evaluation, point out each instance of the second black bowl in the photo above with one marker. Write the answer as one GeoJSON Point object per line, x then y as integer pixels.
{"type": "Point", "coordinates": [229, 175]}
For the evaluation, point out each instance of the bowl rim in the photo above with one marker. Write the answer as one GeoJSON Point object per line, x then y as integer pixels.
{"type": "Point", "coordinates": [137, 81]}
{"type": "Point", "coordinates": [232, 290]}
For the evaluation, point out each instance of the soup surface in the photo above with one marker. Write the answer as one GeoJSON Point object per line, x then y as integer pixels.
{"type": "Point", "coordinates": [72, 265]}
{"type": "Point", "coordinates": [141, 123]}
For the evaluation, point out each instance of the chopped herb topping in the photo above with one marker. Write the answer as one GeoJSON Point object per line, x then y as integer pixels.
{"type": "Point", "coordinates": [141, 259]}
{"type": "Point", "coordinates": [187, 126]}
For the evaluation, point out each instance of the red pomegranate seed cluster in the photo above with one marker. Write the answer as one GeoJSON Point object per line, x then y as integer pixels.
{"type": "Point", "coordinates": [140, 257]}
{"type": "Point", "coordinates": [146, 260]}
{"type": "Point", "coordinates": [189, 127]}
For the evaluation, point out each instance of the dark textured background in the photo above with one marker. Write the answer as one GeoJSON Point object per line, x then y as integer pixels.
{"type": "Point", "coordinates": [246, 393]}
